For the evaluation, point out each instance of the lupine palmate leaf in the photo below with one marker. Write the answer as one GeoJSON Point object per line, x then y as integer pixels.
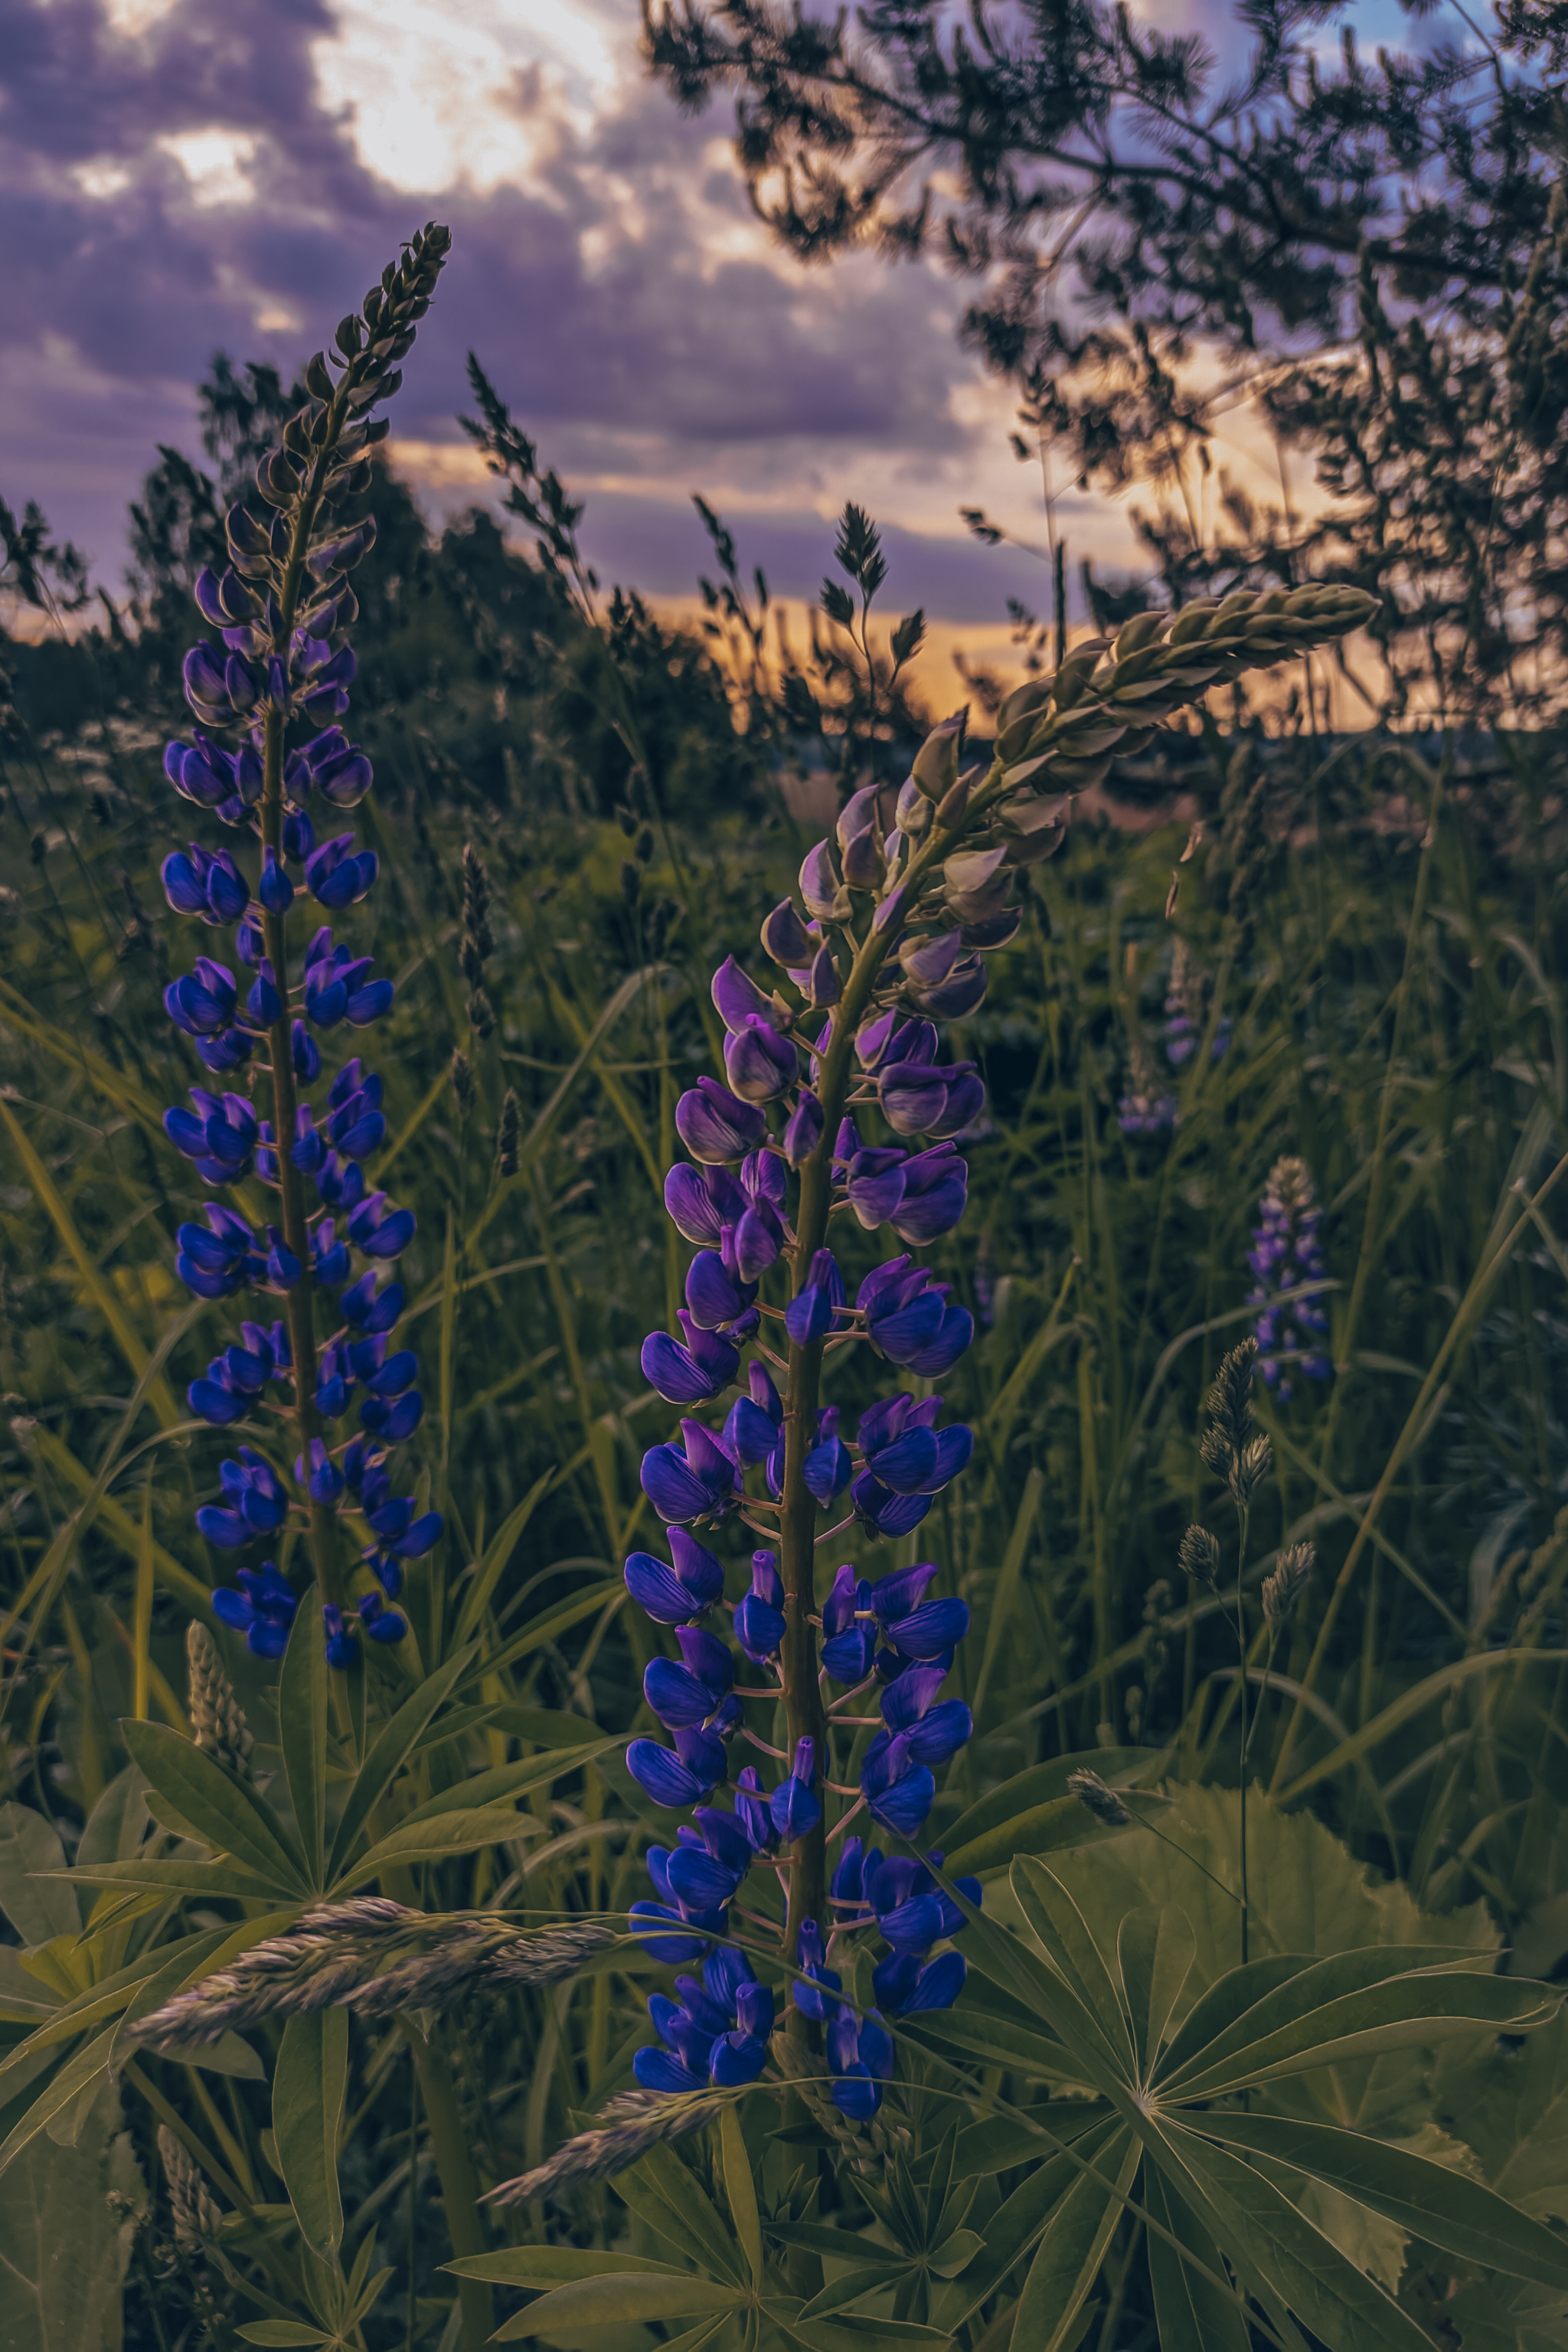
{"type": "Point", "coordinates": [620, 2299]}
{"type": "Point", "coordinates": [543, 2267]}
{"type": "Point", "coordinates": [1265, 2232]}
{"type": "Point", "coordinates": [1155, 1955]}
{"type": "Point", "coordinates": [302, 1732]}
{"type": "Point", "coordinates": [667, 2196]}
{"type": "Point", "coordinates": [1070, 2252]}
{"type": "Point", "coordinates": [1407, 2009]}
{"type": "Point", "coordinates": [221, 1808]}
{"type": "Point", "coordinates": [1192, 2312]}
{"type": "Point", "coordinates": [1015, 2228]}
{"type": "Point", "coordinates": [1070, 1945]}
{"type": "Point", "coordinates": [1429, 2201]}
{"type": "Point", "coordinates": [457, 1830]}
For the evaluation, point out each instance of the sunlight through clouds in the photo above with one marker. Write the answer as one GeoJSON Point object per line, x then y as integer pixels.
{"type": "Point", "coordinates": [436, 101]}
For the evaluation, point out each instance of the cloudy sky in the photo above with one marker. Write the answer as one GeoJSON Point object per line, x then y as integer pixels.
{"type": "Point", "coordinates": [178, 176]}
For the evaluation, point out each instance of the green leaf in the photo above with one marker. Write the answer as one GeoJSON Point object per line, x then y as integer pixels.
{"type": "Point", "coordinates": [740, 2191]}
{"type": "Point", "coordinates": [65, 2088]}
{"type": "Point", "coordinates": [866, 2278]}
{"type": "Point", "coordinates": [1309, 2022]}
{"type": "Point", "coordinates": [211, 1880]}
{"type": "Point", "coordinates": [64, 2245]}
{"type": "Point", "coordinates": [1032, 1813]}
{"type": "Point", "coordinates": [1430, 2200]}
{"type": "Point", "coordinates": [37, 1909]}
{"type": "Point", "coordinates": [1155, 1951]}
{"type": "Point", "coordinates": [309, 2084]}
{"type": "Point", "coordinates": [1068, 1941]}
{"type": "Point", "coordinates": [281, 2332]}
{"type": "Point", "coordinates": [619, 2300]}
{"type": "Point", "coordinates": [851, 2331]}
{"type": "Point", "coordinates": [1194, 2313]}
{"type": "Point", "coordinates": [1015, 2226]}
{"type": "Point", "coordinates": [302, 1732]}
{"type": "Point", "coordinates": [550, 1627]}
{"type": "Point", "coordinates": [669, 2196]}
{"type": "Point", "coordinates": [434, 1840]}
{"type": "Point", "coordinates": [493, 1565]}
{"type": "Point", "coordinates": [997, 2041]}
{"type": "Point", "coordinates": [998, 2143]}
{"type": "Point", "coordinates": [391, 1749]}
{"type": "Point", "coordinates": [515, 1779]}
{"type": "Point", "coordinates": [224, 1809]}
{"type": "Point", "coordinates": [549, 2266]}
{"type": "Point", "coordinates": [1262, 2231]}
{"type": "Point", "coordinates": [839, 2245]}
{"type": "Point", "coordinates": [1067, 2260]}
{"type": "Point", "coordinates": [118, 1823]}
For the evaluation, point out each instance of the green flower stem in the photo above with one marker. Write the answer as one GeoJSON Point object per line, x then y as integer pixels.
{"type": "Point", "coordinates": [459, 2181]}
{"type": "Point", "coordinates": [1243, 1515]}
{"type": "Point", "coordinates": [299, 1310]}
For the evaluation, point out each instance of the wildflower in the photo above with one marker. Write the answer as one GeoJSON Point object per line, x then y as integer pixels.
{"type": "Point", "coordinates": [1285, 1254]}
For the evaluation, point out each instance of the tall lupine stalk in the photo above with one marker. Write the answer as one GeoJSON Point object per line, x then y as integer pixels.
{"type": "Point", "coordinates": [281, 663]}
{"type": "Point", "coordinates": [885, 943]}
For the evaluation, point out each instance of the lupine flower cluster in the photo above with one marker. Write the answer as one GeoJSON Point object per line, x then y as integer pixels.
{"type": "Point", "coordinates": [758, 1145]}
{"type": "Point", "coordinates": [835, 1105]}
{"type": "Point", "coordinates": [276, 667]}
{"type": "Point", "coordinates": [1285, 1252]}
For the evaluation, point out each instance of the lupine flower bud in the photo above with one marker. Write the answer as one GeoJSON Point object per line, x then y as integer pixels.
{"type": "Point", "coordinates": [217, 1720]}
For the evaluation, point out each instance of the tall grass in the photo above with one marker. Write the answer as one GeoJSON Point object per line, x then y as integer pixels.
{"type": "Point", "coordinates": [1387, 981]}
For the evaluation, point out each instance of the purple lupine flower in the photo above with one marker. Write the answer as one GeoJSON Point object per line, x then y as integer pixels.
{"type": "Point", "coordinates": [696, 1479]}
{"type": "Point", "coordinates": [759, 1618]}
{"type": "Point", "coordinates": [1286, 1251]}
{"type": "Point", "coordinates": [828, 1468]}
{"type": "Point", "coordinates": [677, 1594]}
{"type": "Point", "coordinates": [794, 1809]}
{"type": "Point", "coordinates": [693, 1372]}
{"type": "Point", "coordinates": [816, 1998]}
{"type": "Point", "coordinates": [701, 1202]}
{"type": "Point", "coordinates": [694, 1691]}
{"type": "Point", "coordinates": [809, 1315]}
{"type": "Point", "coordinates": [751, 1431]}
{"type": "Point", "coordinates": [716, 1125]}
{"type": "Point", "coordinates": [861, 2059]}
{"type": "Point", "coordinates": [849, 1631]}
{"type": "Point", "coordinates": [937, 1728]}
{"type": "Point", "coordinates": [263, 1609]}
{"type": "Point", "coordinates": [758, 1062]}
{"type": "Point", "coordinates": [904, 1985]}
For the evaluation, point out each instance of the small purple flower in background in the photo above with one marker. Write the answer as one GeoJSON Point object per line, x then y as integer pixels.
{"type": "Point", "coordinates": [1147, 1107]}
{"type": "Point", "coordinates": [1285, 1254]}
{"type": "Point", "coordinates": [1186, 1010]}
